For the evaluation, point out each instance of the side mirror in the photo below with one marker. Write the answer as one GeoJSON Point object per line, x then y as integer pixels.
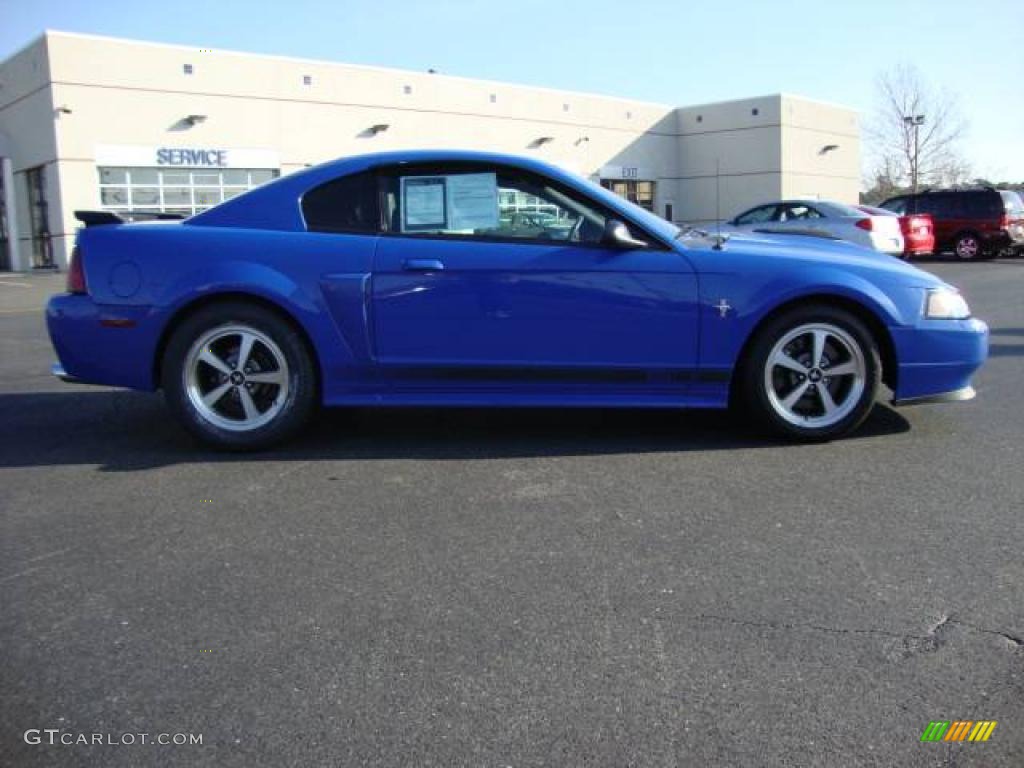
{"type": "Point", "coordinates": [616, 235]}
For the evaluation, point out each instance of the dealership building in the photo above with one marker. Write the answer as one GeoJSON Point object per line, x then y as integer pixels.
{"type": "Point", "coordinates": [142, 129]}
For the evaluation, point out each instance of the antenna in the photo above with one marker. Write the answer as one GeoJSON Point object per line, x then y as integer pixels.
{"type": "Point", "coordinates": [718, 202]}
{"type": "Point", "coordinates": [719, 239]}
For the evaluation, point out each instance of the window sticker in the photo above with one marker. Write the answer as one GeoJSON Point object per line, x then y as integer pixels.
{"type": "Point", "coordinates": [424, 207]}
{"type": "Point", "coordinates": [464, 202]}
{"type": "Point", "coordinates": [473, 201]}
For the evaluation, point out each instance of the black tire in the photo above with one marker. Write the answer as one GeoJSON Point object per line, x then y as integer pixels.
{"type": "Point", "coordinates": [968, 246]}
{"type": "Point", "coordinates": [848, 334]}
{"type": "Point", "coordinates": [277, 345]}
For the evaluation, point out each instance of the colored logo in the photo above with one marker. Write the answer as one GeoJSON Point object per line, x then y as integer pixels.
{"type": "Point", "coordinates": [959, 730]}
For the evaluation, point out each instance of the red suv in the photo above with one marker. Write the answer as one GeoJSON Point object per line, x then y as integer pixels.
{"type": "Point", "coordinates": [973, 223]}
{"type": "Point", "coordinates": [918, 231]}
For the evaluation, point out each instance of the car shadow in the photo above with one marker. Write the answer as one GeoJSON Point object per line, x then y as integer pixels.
{"type": "Point", "coordinates": [124, 431]}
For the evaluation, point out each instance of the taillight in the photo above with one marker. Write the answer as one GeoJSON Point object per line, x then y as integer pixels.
{"type": "Point", "coordinates": [76, 275]}
{"type": "Point", "coordinates": [866, 224]}
{"type": "Point", "coordinates": [1004, 221]}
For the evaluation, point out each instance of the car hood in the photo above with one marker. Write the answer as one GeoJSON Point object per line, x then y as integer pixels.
{"type": "Point", "coordinates": [816, 249]}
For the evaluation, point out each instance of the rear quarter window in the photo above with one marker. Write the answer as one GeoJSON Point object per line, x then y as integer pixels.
{"type": "Point", "coordinates": [982, 205]}
{"type": "Point", "coordinates": [346, 204]}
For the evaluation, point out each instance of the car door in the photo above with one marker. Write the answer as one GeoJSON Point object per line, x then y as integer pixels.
{"type": "Point", "coordinates": [466, 284]}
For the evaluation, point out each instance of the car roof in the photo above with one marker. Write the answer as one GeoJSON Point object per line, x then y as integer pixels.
{"type": "Point", "coordinates": [971, 191]}
{"type": "Point", "coordinates": [799, 201]}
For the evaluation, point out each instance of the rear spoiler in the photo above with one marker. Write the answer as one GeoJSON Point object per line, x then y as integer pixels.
{"type": "Point", "coordinates": [98, 218]}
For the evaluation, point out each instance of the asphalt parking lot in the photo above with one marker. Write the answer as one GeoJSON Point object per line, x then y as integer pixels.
{"type": "Point", "coordinates": [511, 588]}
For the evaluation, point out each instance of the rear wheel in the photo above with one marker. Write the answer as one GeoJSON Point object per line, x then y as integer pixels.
{"type": "Point", "coordinates": [968, 247]}
{"type": "Point", "coordinates": [238, 376]}
{"type": "Point", "coordinates": [813, 373]}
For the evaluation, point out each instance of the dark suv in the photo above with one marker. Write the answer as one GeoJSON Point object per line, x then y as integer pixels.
{"type": "Point", "coordinates": [973, 223]}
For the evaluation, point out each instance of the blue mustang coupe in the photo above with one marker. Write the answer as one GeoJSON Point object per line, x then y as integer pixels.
{"type": "Point", "coordinates": [459, 278]}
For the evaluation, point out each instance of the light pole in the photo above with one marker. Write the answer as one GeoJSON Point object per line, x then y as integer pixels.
{"type": "Point", "coordinates": [915, 121]}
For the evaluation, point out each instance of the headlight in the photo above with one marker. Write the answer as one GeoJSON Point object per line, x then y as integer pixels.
{"type": "Point", "coordinates": [946, 304]}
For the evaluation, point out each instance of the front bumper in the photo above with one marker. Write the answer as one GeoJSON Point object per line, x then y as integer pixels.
{"type": "Point", "coordinates": [937, 359]}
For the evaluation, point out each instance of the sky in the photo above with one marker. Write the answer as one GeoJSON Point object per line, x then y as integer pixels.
{"type": "Point", "coordinates": [677, 52]}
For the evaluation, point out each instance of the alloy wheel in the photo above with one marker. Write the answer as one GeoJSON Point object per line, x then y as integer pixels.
{"type": "Point", "coordinates": [967, 247]}
{"type": "Point", "coordinates": [815, 375]}
{"type": "Point", "coordinates": [236, 378]}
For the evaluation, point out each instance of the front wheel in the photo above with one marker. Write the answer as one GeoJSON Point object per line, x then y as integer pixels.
{"type": "Point", "coordinates": [813, 373]}
{"type": "Point", "coordinates": [238, 376]}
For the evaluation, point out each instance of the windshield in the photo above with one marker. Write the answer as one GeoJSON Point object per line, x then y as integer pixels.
{"type": "Point", "coordinates": [1012, 202]}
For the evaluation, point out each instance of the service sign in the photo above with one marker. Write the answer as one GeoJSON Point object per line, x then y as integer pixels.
{"type": "Point", "coordinates": [131, 155]}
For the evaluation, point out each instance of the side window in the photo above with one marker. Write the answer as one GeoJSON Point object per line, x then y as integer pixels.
{"type": "Point", "coordinates": [982, 205]}
{"type": "Point", "coordinates": [757, 215]}
{"type": "Point", "coordinates": [952, 206]}
{"type": "Point", "coordinates": [488, 203]}
{"type": "Point", "coordinates": [346, 204]}
{"type": "Point", "coordinates": [933, 204]}
{"type": "Point", "coordinates": [798, 212]}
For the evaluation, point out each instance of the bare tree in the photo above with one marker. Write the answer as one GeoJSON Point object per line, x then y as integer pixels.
{"type": "Point", "coordinates": [914, 134]}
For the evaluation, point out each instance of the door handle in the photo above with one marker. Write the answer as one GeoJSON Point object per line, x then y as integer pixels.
{"type": "Point", "coordinates": [423, 265]}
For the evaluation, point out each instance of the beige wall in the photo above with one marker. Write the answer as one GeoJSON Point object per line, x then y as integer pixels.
{"type": "Point", "coordinates": [131, 93]}
{"type": "Point", "coordinates": [770, 155]}
{"type": "Point", "coordinates": [26, 112]}
{"type": "Point", "coordinates": [807, 128]}
{"type": "Point", "coordinates": [728, 157]}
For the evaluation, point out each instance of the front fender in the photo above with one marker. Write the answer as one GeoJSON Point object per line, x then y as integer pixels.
{"type": "Point", "coordinates": [723, 335]}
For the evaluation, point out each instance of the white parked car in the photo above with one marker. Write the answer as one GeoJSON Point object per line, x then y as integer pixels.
{"type": "Point", "coordinates": [824, 218]}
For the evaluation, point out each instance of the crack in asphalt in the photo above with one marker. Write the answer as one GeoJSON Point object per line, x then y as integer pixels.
{"type": "Point", "coordinates": [932, 640]}
{"type": "Point", "coordinates": [1015, 640]}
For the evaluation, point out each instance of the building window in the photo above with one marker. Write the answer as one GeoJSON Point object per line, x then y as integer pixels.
{"type": "Point", "coordinates": [38, 217]}
{"type": "Point", "coordinates": [187, 69]}
{"type": "Point", "coordinates": [307, 80]}
{"type": "Point", "coordinates": [407, 89]}
{"type": "Point", "coordinates": [668, 212]}
{"type": "Point", "coordinates": [639, 192]}
{"type": "Point", "coordinates": [494, 98]}
{"type": "Point", "coordinates": [755, 111]}
{"type": "Point", "coordinates": [142, 193]}
{"type": "Point", "coordinates": [700, 118]}
{"type": "Point", "coordinates": [565, 107]}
